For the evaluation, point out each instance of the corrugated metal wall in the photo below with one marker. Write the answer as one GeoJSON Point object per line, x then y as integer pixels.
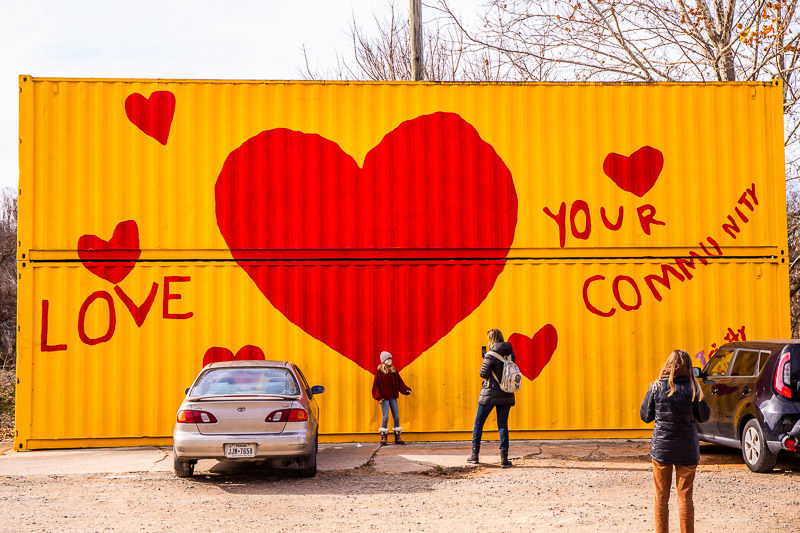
{"type": "Point", "coordinates": [324, 222]}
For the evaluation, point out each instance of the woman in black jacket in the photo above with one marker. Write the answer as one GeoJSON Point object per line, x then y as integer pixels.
{"type": "Point", "coordinates": [493, 397]}
{"type": "Point", "coordinates": [675, 401]}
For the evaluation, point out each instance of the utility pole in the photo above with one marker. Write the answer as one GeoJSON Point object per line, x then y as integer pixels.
{"type": "Point", "coordinates": [416, 39]}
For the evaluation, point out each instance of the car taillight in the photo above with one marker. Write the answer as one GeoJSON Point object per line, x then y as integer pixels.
{"type": "Point", "coordinates": [783, 376]}
{"type": "Point", "coordinates": [287, 415]}
{"type": "Point", "coordinates": [196, 417]}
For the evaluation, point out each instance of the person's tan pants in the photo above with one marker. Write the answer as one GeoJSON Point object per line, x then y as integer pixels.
{"type": "Point", "coordinates": [684, 481]}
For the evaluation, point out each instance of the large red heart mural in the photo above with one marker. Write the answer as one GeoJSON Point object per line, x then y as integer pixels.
{"type": "Point", "coordinates": [636, 174]}
{"type": "Point", "coordinates": [111, 259]}
{"type": "Point", "coordinates": [395, 253]}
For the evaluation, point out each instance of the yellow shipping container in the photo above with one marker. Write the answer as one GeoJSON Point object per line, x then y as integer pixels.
{"type": "Point", "coordinates": [598, 226]}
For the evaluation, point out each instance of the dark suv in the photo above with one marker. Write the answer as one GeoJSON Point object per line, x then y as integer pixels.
{"type": "Point", "coordinates": [753, 388]}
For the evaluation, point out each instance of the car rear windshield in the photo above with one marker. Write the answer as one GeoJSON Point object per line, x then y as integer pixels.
{"type": "Point", "coordinates": [246, 381]}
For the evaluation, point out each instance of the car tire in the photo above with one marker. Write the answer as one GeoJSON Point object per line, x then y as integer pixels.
{"type": "Point", "coordinates": [182, 468]}
{"type": "Point", "coordinates": [755, 451]}
{"type": "Point", "coordinates": [310, 463]}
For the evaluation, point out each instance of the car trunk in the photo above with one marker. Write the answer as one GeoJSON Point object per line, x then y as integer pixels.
{"type": "Point", "coordinates": [242, 415]}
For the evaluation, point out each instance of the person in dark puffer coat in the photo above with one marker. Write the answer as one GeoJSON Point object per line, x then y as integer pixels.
{"type": "Point", "coordinates": [675, 401]}
{"type": "Point", "coordinates": [493, 397]}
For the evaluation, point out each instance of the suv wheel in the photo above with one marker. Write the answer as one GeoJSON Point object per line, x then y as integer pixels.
{"type": "Point", "coordinates": [755, 452]}
{"type": "Point", "coordinates": [182, 468]}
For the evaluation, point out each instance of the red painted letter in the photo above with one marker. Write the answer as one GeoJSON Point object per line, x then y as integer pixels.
{"type": "Point", "coordinates": [714, 244]}
{"type": "Point", "coordinates": [683, 263]}
{"type": "Point", "coordinates": [666, 270]}
{"type": "Point", "coordinates": [744, 201]}
{"type": "Point", "coordinates": [174, 296]}
{"type": "Point", "coordinates": [647, 218]}
{"type": "Point", "coordinates": [112, 318]}
{"type": "Point", "coordinates": [607, 223]}
{"type": "Point", "coordinates": [561, 220]}
{"type": "Point", "coordinates": [622, 304]}
{"type": "Point", "coordinates": [139, 313]}
{"type": "Point", "coordinates": [589, 306]}
{"type": "Point", "coordinates": [741, 215]}
{"type": "Point", "coordinates": [700, 257]}
{"type": "Point", "coordinates": [732, 227]}
{"type": "Point", "coordinates": [580, 205]}
{"type": "Point", "coordinates": [45, 319]}
{"type": "Point", "coordinates": [752, 191]}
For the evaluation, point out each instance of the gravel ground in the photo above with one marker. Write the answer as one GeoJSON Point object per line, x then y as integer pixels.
{"type": "Point", "coordinates": [538, 494]}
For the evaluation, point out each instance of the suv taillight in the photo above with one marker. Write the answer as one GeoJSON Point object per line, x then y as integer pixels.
{"type": "Point", "coordinates": [288, 415]}
{"type": "Point", "coordinates": [196, 417]}
{"type": "Point", "coordinates": [783, 376]}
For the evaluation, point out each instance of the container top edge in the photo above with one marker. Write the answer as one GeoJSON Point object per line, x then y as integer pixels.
{"type": "Point", "coordinates": [24, 78]}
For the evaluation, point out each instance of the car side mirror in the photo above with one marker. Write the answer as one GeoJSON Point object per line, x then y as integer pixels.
{"type": "Point", "coordinates": [317, 389]}
{"type": "Point", "coordinates": [696, 372]}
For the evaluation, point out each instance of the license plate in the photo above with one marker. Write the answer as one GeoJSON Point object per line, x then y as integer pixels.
{"type": "Point", "coordinates": [233, 451]}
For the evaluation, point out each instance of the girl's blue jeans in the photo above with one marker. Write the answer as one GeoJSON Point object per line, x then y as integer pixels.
{"type": "Point", "coordinates": [502, 424]}
{"type": "Point", "coordinates": [385, 406]}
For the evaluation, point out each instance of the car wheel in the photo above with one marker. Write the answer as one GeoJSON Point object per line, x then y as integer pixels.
{"type": "Point", "coordinates": [182, 468]}
{"type": "Point", "coordinates": [310, 464]}
{"type": "Point", "coordinates": [755, 451]}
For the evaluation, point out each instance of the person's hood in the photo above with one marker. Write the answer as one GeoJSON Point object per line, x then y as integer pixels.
{"type": "Point", "coordinates": [680, 372]}
{"type": "Point", "coordinates": [503, 348]}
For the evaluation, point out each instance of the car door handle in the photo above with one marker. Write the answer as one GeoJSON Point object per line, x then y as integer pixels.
{"type": "Point", "coordinates": [745, 390]}
{"type": "Point", "coordinates": [713, 390]}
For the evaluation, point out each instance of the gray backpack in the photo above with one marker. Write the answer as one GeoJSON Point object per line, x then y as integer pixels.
{"type": "Point", "coordinates": [512, 377]}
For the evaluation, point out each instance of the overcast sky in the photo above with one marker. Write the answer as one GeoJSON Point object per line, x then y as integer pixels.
{"type": "Point", "coordinates": [232, 39]}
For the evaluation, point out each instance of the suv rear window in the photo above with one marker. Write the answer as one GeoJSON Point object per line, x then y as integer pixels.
{"type": "Point", "coordinates": [745, 363]}
{"type": "Point", "coordinates": [763, 361]}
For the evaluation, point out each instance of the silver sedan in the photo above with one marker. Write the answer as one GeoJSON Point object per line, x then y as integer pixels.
{"type": "Point", "coordinates": [262, 411]}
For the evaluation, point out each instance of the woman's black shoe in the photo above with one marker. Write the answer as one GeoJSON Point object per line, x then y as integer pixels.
{"type": "Point", "coordinates": [504, 462]}
{"type": "Point", "coordinates": [474, 457]}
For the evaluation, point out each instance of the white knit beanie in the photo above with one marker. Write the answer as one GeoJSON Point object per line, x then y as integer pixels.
{"type": "Point", "coordinates": [385, 356]}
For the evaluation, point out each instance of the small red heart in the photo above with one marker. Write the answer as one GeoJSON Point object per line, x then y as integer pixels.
{"type": "Point", "coordinates": [534, 354]}
{"type": "Point", "coordinates": [152, 115]}
{"type": "Point", "coordinates": [215, 354]}
{"type": "Point", "coordinates": [636, 174]}
{"type": "Point", "coordinates": [113, 259]}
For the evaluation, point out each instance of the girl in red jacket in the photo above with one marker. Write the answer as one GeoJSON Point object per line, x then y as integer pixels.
{"type": "Point", "coordinates": [386, 388]}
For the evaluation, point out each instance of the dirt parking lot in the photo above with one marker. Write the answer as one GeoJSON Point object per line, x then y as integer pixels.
{"type": "Point", "coordinates": [545, 491]}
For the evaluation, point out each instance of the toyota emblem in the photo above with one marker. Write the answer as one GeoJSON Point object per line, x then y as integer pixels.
{"type": "Point", "coordinates": [240, 409]}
